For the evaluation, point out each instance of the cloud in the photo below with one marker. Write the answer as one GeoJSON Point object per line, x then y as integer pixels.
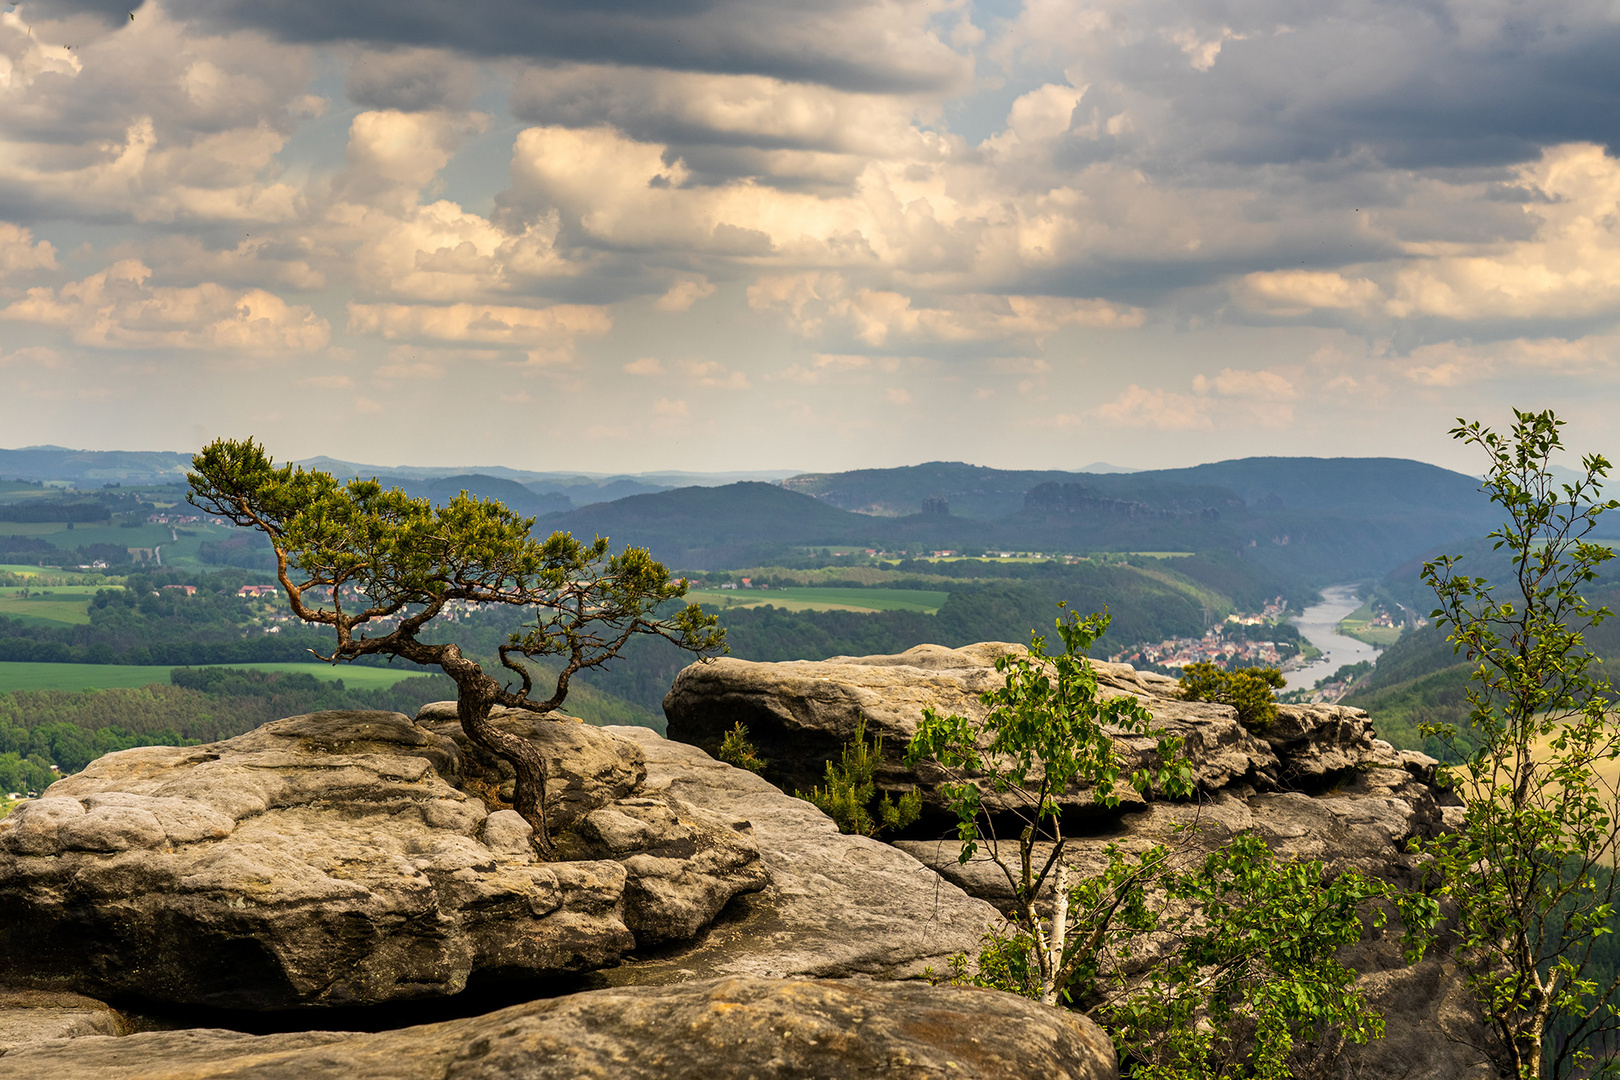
{"type": "Point", "coordinates": [712, 373]}
{"type": "Point", "coordinates": [149, 123]}
{"type": "Point", "coordinates": [813, 304]}
{"type": "Point", "coordinates": [412, 80]}
{"type": "Point", "coordinates": [1160, 410]}
{"type": "Point", "coordinates": [33, 358]}
{"type": "Point", "coordinates": [684, 293]}
{"type": "Point", "coordinates": [859, 44]}
{"type": "Point", "coordinates": [480, 323]}
{"type": "Point", "coordinates": [1299, 292]}
{"type": "Point", "coordinates": [729, 126]}
{"type": "Point", "coordinates": [117, 307]}
{"type": "Point", "coordinates": [392, 154]}
{"type": "Point", "coordinates": [646, 365]}
{"type": "Point", "coordinates": [1233, 398]}
{"type": "Point", "coordinates": [1570, 268]}
{"type": "Point", "coordinates": [19, 252]}
{"type": "Point", "coordinates": [1451, 364]}
{"type": "Point", "coordinates": [1413, 86]}
{"type": "Point", "coordinates": [1257, 385]}
{"type": "Point", "coordinates": [673, 410]}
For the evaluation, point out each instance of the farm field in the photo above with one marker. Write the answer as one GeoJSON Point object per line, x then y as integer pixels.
{"type": "Point", "coordinates": [179, 544]}
{"type": "Point", "coordinates": [810, 598]}
{"type": "Point", "coordinates": [60, 604]}
{"type": "Point", "coordinates": [1357, 625]}
{"type": "Point", "coordinates": [25, 676]}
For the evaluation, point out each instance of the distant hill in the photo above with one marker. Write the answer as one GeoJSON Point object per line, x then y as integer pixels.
{"type": "Point", "coordinates": [92, 468]}
{"type": "Point", "coordinates": [1308, 519]}
{"type": "Point", "coordinates": [516, 496]}
{"type": "Point", "coordinates": [581, 488]}
{"type": "Point", "coordinates": [970, 491]}
{"type": "Point", "coordinates": [702, 527]}
{"type": "Point", "coordinates": [1338, 484]}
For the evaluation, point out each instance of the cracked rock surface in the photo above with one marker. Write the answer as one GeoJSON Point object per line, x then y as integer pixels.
{"type": "Point", "coordinates": [1316, 783]}
{"type": "Point", "coordinates": [332, 859]}
{"type": "Point", "coordinates": [836, 905]}
{"type": "Point", "coordinates": [725, 1029]}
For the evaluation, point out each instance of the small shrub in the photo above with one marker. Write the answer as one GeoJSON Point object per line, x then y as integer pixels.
{"type": "Point", "coordinates": [1248, 690]}
{"type": "Point", "coordinates": [850, 791]}
{"type": "Point", "coordinates": [735, 749]}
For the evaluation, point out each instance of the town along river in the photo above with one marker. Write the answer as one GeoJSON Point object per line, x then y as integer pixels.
{"type": "Point", "coordinates": [1319, 625]}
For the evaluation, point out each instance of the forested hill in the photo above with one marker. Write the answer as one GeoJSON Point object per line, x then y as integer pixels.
{"type": "Point", "coordinates": [1381, 485]}
{"type": "Point", "coordinates": [1314, 519]}
{"type": "Point", "coordinates": [1421, 679]}
{"type": "Point", "coordinates": [94, 467]}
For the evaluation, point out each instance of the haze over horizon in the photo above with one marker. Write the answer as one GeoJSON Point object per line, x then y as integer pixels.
{"type": "Point", "coordinates": [743, 237]}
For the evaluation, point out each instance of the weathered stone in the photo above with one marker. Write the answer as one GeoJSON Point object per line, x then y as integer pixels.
{"type": "Point", "coordinates": [326, 860]}
{"type": "Point", "coordinates": [34, 1016]}
{"type": "Point", "coordinates": [1316, 783]}
{"type": "Point", "coordinates": [727, 1029]}
{"type": "Point", "coordinates": [799, 715]}
{"type": "Point", "coordinates": [836, 905]}
{"type": "Point", "coordinates": [684, 864]}
{"type": "Point", "coordinates": [586, 768]}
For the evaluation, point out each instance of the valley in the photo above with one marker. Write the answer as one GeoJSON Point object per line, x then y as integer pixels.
{"type": "Point", "coordinates": [114, 583]}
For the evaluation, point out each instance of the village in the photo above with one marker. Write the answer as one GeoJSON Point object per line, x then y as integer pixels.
{"type": "Point", "coordinates": [1230, 644]}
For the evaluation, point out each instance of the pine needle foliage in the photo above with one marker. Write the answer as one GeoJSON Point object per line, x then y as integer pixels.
{"type": "Point", "coordinates": [377, 568]}
{"type": "Point", "coordinates": [1248, 690]}
{"type": "Point", "coordinates": [850, 795]}
{"type": "Point", "coordinates": [735, 749]}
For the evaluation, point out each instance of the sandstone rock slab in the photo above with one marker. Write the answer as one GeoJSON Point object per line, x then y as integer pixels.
{"type": "Point", "coordinates": [799, 714]}
{"type": "Point", "coordinates": [586, 767]}
{"type": "Point", "coordinates": [34, 1016]}
{"type": "Point", "coordinates": [728, 1029]}
{"type": "Point", "coordinates": [327, 860]}
{"type": "Point", "coordinates": [836, 905]}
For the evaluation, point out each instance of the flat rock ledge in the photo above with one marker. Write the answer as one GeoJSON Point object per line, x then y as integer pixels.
{"type": "Point", "coordinates": [726, 1029]}
{"type": "Point", "coordinates": [836, 905]}
{"type": "Point", "coordinates": [331, 859]}
{"type": "Point", "coordinates": [800, 713]}
{"type": "Point", "coordinates": [33, 1016]}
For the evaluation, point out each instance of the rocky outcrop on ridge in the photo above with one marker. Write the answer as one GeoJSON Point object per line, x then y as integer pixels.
{"type": "Point", "coordinates": [1317, 783]}
{"type": "Point", "coordinates": [330, 859]}
{"type": "Point", "coordinates": [800, 713]}
{"type": "Point", "coordinates": [727, 1029]}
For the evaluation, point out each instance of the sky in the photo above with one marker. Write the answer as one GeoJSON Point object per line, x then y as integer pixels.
{"type": "Point", "coordinates": [628, 235]}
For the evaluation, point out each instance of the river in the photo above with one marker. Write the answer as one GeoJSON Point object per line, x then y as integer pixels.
{"type": "Point", "coordinates": [1320, 626]}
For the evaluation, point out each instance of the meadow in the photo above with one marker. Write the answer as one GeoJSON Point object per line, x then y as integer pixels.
{"type": "Point", "coordinates": [1358, 625]}
{"type": "Point", "coordinates": [25, 676]}
{"type": "Point", "coordinates": [179, 543]}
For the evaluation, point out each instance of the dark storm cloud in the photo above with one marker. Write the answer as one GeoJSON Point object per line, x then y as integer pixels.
{"type": "Point", "coordinates": [411, 80]}
{"type": "Point", "coordinates": [837, 42]}
{"type": "Point", "coordinates": [1418, 85]}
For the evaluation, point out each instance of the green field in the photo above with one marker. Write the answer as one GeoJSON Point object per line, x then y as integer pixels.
{"type": "Point", "coordinates": [17, 676]}
{"type": "Point", "coordinates": [179, 544]}
{"type": "Point", "coordinates": [60, 604]}
{"type": "Point", "coordinates": [1357, 625]}
{"type": "Point", "coordinates": [810, 598]}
